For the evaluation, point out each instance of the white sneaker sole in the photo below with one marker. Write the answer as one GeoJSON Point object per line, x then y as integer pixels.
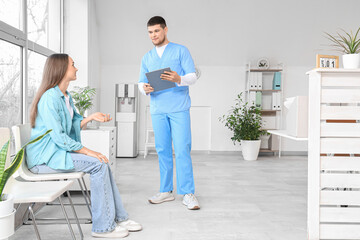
{"type": "Point", "coordinates": [171, 198]}
{"type": "Point", "coordinates": [134, 229]}
{"type": "Point", "coordinates": [109, 235]}
{"type": "Point", "coordinates": [193, 208]}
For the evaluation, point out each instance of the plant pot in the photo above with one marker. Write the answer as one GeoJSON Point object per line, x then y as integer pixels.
{"type": "Point", "coordinates": [7, 216]}
{"type": "Point", "coordinates": [351, 61]}
{"type": "Point", "coordinates": [250, 149]}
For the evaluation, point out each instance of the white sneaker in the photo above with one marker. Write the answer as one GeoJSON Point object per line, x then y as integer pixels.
{"type": "Point", "coordinates": [191, 202]}
{"type": "Point", "coordinates": [130, 225]}
{"type": "Point", "coordinates": [118, 232]}
{"type": "Point", "coordinates": [162, 197]}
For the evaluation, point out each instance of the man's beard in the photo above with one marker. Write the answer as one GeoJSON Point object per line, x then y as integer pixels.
{"type": "Point", "coordinates": [159, 44]}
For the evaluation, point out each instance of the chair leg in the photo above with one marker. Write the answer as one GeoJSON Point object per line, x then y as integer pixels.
{"type": "Point", "coordinates": [34, 221]}
{"type": "Point", "coordinates": [86, 190]}
{"type": "Point", "coordinates": [66, 217]}
{"type": "Point", "coordinates": [85, 197]}
{"type": "Point", "coordinates": [76, 217]}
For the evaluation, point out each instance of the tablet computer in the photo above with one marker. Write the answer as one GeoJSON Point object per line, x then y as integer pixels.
{"type": "Point", "coordinates": [156, 82]}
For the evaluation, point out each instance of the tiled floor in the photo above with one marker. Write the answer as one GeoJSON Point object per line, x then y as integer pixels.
{"type": "Point", "coordinates": [259, 200]}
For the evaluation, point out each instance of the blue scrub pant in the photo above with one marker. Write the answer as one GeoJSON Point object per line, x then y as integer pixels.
{"type": "Point", "coordinates": [175, 127]}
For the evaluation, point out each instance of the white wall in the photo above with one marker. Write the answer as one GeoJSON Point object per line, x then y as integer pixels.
{"type": "Point", "coordinates": [94, 54]}
{"type": "Point", "coordinates": [82, 44]}
{"type": "Point", "coordinates": [222, 37]}
{"type": "Point", "coordinates": [76, 37]}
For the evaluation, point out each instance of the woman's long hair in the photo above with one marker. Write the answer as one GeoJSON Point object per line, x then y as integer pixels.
{"type": "Point", "coordinates": [54, 71]}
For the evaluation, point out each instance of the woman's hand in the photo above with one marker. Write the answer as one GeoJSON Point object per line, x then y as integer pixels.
{"type": "Point", "coordinates": [100, 117]}
{"type": "Point", "coordinates": [91, 153]}
{"type": "Point", "coordinates": [101, 157]}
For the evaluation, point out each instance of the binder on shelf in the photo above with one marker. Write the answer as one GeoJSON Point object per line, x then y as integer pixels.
{"type": "Point", "coordinates": [259, 80]}
{"type": "Point", "coordinates": [274, 101]}
{"type": "Point", "coordinates": [252, 98]}
{"type": "Point", "coordinates": [252, 81]}
{"type": "Point", "coordinates": [278, 101]}
{"type": "Point", "coordinates": [277, 81]}
{"type": "Point", "coordinates": [258, 99]}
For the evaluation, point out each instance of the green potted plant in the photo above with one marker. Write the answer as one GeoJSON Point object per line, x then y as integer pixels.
{"type": "Point", "coordinates": [244, 121]}
{"type": "Point", "coordinates": [349, 45]}
{"type": "Point", "coordinates": [6, 200]}
{"type": "Point", "coordinates": [83, 98]}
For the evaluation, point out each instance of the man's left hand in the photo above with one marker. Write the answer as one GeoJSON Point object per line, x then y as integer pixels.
{"type": "Point", "coordinates": [171, 76]}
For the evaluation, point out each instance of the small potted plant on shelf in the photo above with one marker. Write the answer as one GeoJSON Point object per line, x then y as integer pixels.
{"type": "Point", "coordinates": [7, 210]}
{"type": "Point", "coordinates": [245, 122]}
{"type": "Point", "coordinates": [349, 45]}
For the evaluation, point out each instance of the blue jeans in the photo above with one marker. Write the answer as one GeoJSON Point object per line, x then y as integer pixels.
{"type": "Point", "coordinates": [106, 204]}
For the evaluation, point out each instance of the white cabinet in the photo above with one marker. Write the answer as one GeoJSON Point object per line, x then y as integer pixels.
{"type": "Point", "coordinates": [101, 140]}
{"type": "Point", "coordinates": [264, 89]}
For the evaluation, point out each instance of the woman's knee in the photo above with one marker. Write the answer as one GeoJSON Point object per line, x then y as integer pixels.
{"type": "Point", "coordinates": [100, 167]}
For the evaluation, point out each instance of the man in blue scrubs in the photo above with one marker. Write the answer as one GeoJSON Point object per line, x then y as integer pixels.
{"type": "Point", "coordinates": [170, 113]}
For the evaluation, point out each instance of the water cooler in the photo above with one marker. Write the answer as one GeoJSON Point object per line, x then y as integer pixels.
{"type": "Point", "coordinates": [126, 117]}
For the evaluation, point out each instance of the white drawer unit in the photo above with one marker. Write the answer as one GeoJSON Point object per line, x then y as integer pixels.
{"type": "Point", "coordinates": [102, 140]}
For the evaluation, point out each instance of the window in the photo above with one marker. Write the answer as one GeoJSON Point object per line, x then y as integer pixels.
{"type": "Point", "coordinates": [35, 68]}
{"type": "Point", "coordinates": [10, 13]}
{"type": "Point", "coordinates": [44, 23]}
{"type": "Point", "coordinates": [10, 84]}
{"type": "Point", "coordinates": [21, 64]}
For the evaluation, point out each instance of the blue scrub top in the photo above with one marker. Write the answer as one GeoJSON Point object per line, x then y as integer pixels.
{"type": "Point", "coordinates": [178, 58]}
{"type": "Point", "coordinates": [54, 149]}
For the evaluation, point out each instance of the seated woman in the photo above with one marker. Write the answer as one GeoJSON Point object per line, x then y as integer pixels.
{"type": "Point", "coordinates": [61, 150]}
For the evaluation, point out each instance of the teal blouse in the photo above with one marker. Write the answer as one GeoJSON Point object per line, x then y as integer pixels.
{"type": "Point", "coordinates": [54, 149]}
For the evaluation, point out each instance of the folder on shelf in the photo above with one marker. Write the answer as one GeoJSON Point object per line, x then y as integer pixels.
{"type": "Point", "coordinates": [274, 101]}
{"type": "Point", "coordinates": [252, 80]}
{"type": "Point", "coordinates": [259, 80]}
{"type": "Point", "coordinates": [258, 99]}
{"type": "Point", "coordinates": [277, 81]}
{"type": "Point", "coordinates": [278, 101]}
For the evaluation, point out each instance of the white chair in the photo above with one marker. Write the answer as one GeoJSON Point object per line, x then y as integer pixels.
{"type": "Point", "coordinates": [22, 134]}
{"type": "Point", "coordinates": [38, 192]}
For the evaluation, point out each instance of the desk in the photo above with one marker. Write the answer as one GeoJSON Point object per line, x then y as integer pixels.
{"type": "Point", "coordinates": [283, 133]}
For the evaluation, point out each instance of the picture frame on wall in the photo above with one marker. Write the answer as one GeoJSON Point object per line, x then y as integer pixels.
{"type": "Point", "coordinates": [327, 61]}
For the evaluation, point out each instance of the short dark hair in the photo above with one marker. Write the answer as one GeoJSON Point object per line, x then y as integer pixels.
{"type": "Point", "coordinates": [156, 20]}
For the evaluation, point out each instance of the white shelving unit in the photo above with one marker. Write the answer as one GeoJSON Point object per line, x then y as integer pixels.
{"type": "Point", "coordinates": [272, 118]}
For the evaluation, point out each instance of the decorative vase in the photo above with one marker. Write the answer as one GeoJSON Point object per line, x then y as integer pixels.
{"type": "Point", "coordinates": [7, 216]}
{"type": "Point", "coordinates": [351, 61]}
{"type": "Point", "coordinates": [250, 149]}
